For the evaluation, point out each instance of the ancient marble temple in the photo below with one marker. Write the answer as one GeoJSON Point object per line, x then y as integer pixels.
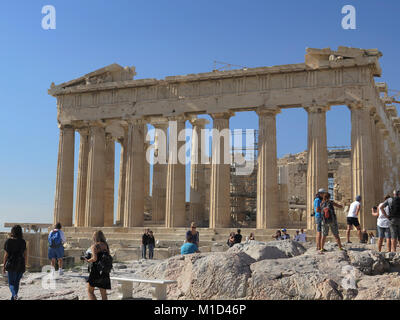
{"type": "Point", "coordinates": [108, 106]}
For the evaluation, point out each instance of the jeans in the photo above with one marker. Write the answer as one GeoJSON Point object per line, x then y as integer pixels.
{"type": "Point", "coordinates": [151, 251]}
{"type": "Point", "coordinates": [144, 251]}
{"type": "Point", "coordinates": [13, 282]}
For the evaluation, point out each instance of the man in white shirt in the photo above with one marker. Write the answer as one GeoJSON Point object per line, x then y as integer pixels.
{"type": "Point", "coordinates": [352, 218]}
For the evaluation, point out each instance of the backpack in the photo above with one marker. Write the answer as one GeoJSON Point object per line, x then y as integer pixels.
{"type": "Point", "coordinates": [105, 264]}
{"type": "Point", "coordinates": [55, 239]}
{"type": "Point", "coordinates": [394, 211]}
{"type": "Point", "coordinates": [327, 212]}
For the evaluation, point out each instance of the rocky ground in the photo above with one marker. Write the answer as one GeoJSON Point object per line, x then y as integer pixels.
{"type": "Point", "coordinates": [272, 270]}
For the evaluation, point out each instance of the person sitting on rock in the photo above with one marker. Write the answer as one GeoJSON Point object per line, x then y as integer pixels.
{"type": "Point", "coordinates": [231, 240]}
{"type": "Point", "coordinates": [278, 235]}
{"type": "Point", "coordinates": [251, 237]}
{"type": "Point", "coordinates": [189, 246]}
{"type": "Point", "coordinates": [193, 231]}
{"type": "Point", "coordinates": [285, 235]}
{"type": "Point", "coordinates": [238, 237]}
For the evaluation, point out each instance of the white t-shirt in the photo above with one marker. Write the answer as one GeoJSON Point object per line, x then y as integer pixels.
{"type": "Point", "coordinates": [353, 209]}
{"type": "Point", "coordinates": [382, 221]}
{"type": "Point", "coordinates": [302, 237]}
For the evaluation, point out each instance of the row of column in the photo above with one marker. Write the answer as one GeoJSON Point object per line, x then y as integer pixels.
{"type": "Point", "coordinates": [95, 185]}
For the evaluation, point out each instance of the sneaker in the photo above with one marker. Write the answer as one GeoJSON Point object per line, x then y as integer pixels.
{"type": "Point", "coordinates": [324, 250]}
{"type": "Point", "coordinates": [61, 272]}
{"type": "Point", "coordinates": [349, 242]}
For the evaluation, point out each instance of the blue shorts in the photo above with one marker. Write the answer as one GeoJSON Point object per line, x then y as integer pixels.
{"type": "Point", "coordinates": [384, 232]}
{"type": "Point", "coordinates": [56, 253]}
{"type": "Point", "coordinates": [318, 222]}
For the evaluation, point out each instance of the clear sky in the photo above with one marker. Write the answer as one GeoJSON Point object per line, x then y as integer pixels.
{"type": "Point", "coordinates": [160, 38]}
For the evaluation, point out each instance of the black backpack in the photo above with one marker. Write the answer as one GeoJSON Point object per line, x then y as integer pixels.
{"type": "Point", "coordinates": [327, 211]}
{"type": "Point", "coordinates": [394, 211]}
{"type": "Point", "coordinates": [105, 264]}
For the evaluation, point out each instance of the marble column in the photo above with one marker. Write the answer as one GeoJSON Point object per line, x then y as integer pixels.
{"type": "Point", "coordinates": [109, 182]}
{"type": "Point", "coordinates": [175, 204]}
{"type": "Point", "coordinates": [134, 188]}
{"type": "Point", "coordinates": [81, 186]}
{"type": "Point", "coordinates": [317, 157]}
{"type": "Point", "coordinates": [94, 215]}
{"type": "Point", "coordinates": [64, 197]}
{"type": "Point", "coordinates": [159, 173]}
{"type": "Point", "coordinates": [378, 185]}
{"type": "Point", "coordinates": [146, 164]}
{"type": "Point", "coordinates": [122, 178]}
{"type": "Point", "coordinates": [220, 215]}
{"type": "Point", "coordinates": [197, 183]}
{"type": "Point", "coordinates": [267, 174]}
{"type": "Point", "coordinates": [362, 163]}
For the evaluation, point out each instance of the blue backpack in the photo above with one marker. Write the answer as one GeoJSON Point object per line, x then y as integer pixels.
{"type": "Point", "coordinates": [55, 239]}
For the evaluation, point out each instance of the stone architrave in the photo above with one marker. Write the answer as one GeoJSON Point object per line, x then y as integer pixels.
{"type": "Point", "coordinates": [220, 174]}
{"type": "Point", "coordinates": [175, 204]}
{"type": "Point", "coordinates": [109, 182]}
{"type": "Point", "coordinates": [81, 185]}
{"type": "Point", "coordinates": [94, 216]}
{"type": "Point", "coordinates": [197, 183]}
{"type": "Point", "coordinates": [267, 174]}
{"type": "Point", "coordinates": [64, 198]}
{"type": "Point", "coordinates": [362, 163]}
{"type": "Point", "coordinates": [317, 157]}
{"type": "Point", "coordinates": [134, 188]}
{"type": "Point", "coordinates": [159, 174]}
{"type": "Point", "coordinates": [122, 178]}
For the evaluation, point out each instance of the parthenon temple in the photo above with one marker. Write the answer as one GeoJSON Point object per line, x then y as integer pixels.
{"type": "Point", "coordinates": [108, 106]}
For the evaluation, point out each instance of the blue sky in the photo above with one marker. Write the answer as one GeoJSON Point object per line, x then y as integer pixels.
{"type": "Point", "coordinates": [160, 38]}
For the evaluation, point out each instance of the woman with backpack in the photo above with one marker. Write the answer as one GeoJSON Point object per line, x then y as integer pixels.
{"type": "Point", "coordinates": [14, 260]}
{"type": "Point", "coordinates": [329, 221]}
{"type": "Point", "coordinates": [101, 260]}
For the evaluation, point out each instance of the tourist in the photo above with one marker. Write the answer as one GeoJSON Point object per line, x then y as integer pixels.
{"type": "Point", "coordinates": [383, 225]}
{"type": "Point", "coordinates": [56, 247]}
{"type": "Point", "coordinates": [238, 237]}
{"type": "Point", "coordinates": [98, 278]}
{"type": "Point", "coordinates": [251, 237]}
{"type": "Point", "coordinates": [194, 232]}
{"type": "Point", "coordinates": [231, 240]}
{"type": "Point", "coordinates": [145, 242]}
{"type": "Point", "coordinates": [317, 215]}
{"type": "Point", "coordinates": [285, 235]}
{"type": "Point", "coordinates": [300, 237]}
{"type": "Point", "coordinates": [394, 217]}
{"type": "Point", "coordinates": [278, 235]}
{"type": "Point", "coordinates": [371, 238]}
{"type": "Point", "coordinates": [14, 259]}
{"type": "Point", "coordinates": [352, 218]}
{"type": "Point", "coordinates": [151, 244]}
{"type": "Point", "coordinates": [189, 246]}
{"type": "Point", "coordinates": [329, 221]}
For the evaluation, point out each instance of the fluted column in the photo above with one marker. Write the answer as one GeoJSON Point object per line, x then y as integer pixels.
{"type": "Point", "coordinates": [134, 188]}
{"type": "Point", "coordinates": [377, 171]}
{"type": "Point", "coordinates": [146, 145]}
{"type": "Point", "coordinates": [175, 204]}
{"type": "Point", "coordinates": [220, 216]}
{"type": "Point", "coordinates": [317, 155]}
{"type": "Point", "coordinates": [94, 216]}
{"type": "Point", "coordinates": [81, 186]}
{"type": "Point", "coordinates": [122, 178]}
{"type": "Point", "coordinates": [109, 182]}
{"type": "Point", "coordinates": [197, 183]}
{"type": "Point", "coordinates": [267, 174]}
{"type": "Point", "coordinates": [64, 197]}
{"type": "Point", "coordinates": [362, 163]}
{"type": "Point", "coordinates": [159, 173]}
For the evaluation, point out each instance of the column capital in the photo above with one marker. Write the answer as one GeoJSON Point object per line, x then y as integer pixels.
{"type": "Point", "coordinates": [160, 124]}
{"type": "Point", "coordinates": [83, 131]}
{"type": "Point", "coordinates": [199, 122]}
{"type": "Point", "coordinates": [136, 121]}
{"type": "Point", "coordinates": [222, 115]}
{"type": "Point", "coordinates": [62, 126]}
{"type": "Point", "coordinates": [356, 105]}
{"type": "Point", "coordinates": [180, 117]}
{"type": "Point", "coordinates": [268, 111]}
{"type": "Point", "coordinates": [315, 108]}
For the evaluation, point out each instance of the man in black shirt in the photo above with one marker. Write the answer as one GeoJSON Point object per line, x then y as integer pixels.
{"type": "Point", "coordinates": [145, 242]}
{"type": "Point", "coordinates": [238, 236]}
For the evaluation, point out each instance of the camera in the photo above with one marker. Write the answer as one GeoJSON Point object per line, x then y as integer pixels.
{"type": "Point", "coordinates": [86, 256]}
